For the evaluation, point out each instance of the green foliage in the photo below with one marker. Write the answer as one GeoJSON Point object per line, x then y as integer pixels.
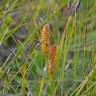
{"type": "Point", "coordinates": [23, 64]}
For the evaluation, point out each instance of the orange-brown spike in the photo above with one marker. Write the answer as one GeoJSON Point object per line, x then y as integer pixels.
{"type": "Point", "coordinates": [45, 39]}
{"type": "Point", "coordinates": [52, 61]}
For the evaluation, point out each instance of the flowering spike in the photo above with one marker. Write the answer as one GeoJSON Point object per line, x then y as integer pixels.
{"type": "Point", "coordinates": [45, 39]}
{"type": "Point", "coordinates": [52, 61]}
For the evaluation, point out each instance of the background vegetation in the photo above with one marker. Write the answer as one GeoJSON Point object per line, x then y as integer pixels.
{"type": "Point", "coordinates": [72, 30]}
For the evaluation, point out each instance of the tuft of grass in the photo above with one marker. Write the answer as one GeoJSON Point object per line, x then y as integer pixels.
{"type": "Point", "coordinates": [29, 29]}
